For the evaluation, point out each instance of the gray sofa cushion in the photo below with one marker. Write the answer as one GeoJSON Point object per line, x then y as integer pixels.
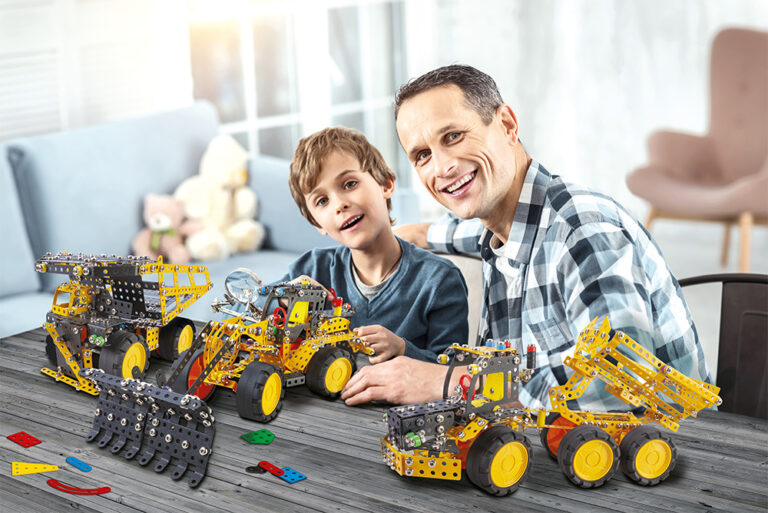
{"type": "Point", "coordinates": [16, 259]}
{"type": "Point", "coordinates": [287, 230]}
{"type": "Point", "coordinates": [82, 191]}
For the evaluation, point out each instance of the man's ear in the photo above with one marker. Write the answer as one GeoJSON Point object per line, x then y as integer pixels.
{"type": "Point", "coordinates": [508, 122]}
{"type": "Point", "coordinates": [389, 188]}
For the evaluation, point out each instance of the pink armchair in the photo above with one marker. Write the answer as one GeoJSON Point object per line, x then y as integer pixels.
{"type": "Point", "coordinates": [723, 175]}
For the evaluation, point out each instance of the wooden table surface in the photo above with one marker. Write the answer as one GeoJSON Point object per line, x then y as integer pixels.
{"type": "Point", "coordinates": [722, 460]}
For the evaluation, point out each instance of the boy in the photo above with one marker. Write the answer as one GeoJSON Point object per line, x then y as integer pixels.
{"type": "Point", "coordinates": [409, 301]}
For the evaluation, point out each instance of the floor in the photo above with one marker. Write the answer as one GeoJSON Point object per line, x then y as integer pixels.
{"type": "Point", "coordinates": [693, 249]}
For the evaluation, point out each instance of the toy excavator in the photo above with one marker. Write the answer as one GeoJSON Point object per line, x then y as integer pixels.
{"type": "Point", "coordinates": [476, 429]}
{"type": "Point", "coordinates": [300, 335]}
{"type": "Point", "coordinates": [113, 311]}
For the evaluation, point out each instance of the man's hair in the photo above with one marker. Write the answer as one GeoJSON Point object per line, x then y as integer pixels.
{"type": "Point", "coordinates": [312, 150]}
{"type": "Point", "coordinates": [480, 90]}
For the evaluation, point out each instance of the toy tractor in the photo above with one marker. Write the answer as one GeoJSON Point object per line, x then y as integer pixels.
{"type": "Point", "coordinates": [476, 431]}
{"type": "Point", "coordinates": [299, 336]}
{"type": "Point", "coordinates": [113, 311]}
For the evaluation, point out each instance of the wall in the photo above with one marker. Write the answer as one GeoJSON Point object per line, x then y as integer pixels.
{"type": "Point", "coordinates": [589, 80]}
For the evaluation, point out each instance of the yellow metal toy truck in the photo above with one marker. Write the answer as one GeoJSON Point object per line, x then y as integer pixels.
{"type": "Point", "coordinates": [114, 311]}
{"type": "Point", "coordinates": [300, 335]}
{"type": "Point", "coordinates": [479, 430]}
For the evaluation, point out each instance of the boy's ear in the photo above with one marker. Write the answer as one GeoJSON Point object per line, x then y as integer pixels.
{"type": "Point", "coordinates": [322, 232]}
{"type": "Point", "coordinates": [389, 188]}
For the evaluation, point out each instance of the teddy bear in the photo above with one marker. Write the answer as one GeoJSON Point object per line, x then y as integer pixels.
{"type": "Point", "coordinates": [219, 206]}
{"type": "Point", "coordinates": [163, 215]}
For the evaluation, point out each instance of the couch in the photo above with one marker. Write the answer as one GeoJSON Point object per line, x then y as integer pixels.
{"type": "Point", "coordinates": [83, 190]}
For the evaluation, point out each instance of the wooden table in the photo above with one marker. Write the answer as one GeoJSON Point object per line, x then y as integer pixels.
{"type": "Point", "coordinates": [722, 460]}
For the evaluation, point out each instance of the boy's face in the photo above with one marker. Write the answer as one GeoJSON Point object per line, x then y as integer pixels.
{"type": "Point", "coordinates": [348, 203]}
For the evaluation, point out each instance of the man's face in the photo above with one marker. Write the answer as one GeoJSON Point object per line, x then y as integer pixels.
{"type": "Point", "coordinates": [348, 203]}
{"type": "Point", "coordinates": [466, 165]}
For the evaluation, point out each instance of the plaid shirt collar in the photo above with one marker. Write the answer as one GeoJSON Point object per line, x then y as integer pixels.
{"type": "Point", "coordinates": [527, 218]}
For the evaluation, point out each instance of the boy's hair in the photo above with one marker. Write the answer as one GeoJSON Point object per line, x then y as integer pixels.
{"type": "Point", "coordinates": [480, 90]}
{"type": "Point", "coordinates": [312, 150]}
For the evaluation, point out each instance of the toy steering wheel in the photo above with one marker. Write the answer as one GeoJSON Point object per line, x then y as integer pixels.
{"type": "Point", "coordinates": [464, 382]}
{"type": "Point", "coordinates": [278, 317]}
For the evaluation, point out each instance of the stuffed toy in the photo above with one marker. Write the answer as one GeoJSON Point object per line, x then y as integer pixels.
{"type": "Point", "coordinates": [219, 205]}
{"type": "Point", "coordinates": [163, 216]}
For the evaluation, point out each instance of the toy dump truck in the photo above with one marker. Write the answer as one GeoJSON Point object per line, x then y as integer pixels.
{"type": "Point", "coordinates": [479, 431]}
{"type": "Point", "coordinates": [113, 311]}
{"type": "Point", "coordinates": [301, 335]}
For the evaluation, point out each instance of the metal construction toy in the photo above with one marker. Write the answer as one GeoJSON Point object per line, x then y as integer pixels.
{"type": "Point", "coordinates": [152, 423]}
{"type": "Point", "coordinates": [301, 335]}
{"type": "Point", "coordinates": [113, 311]}
{"type": "Point", "coordinates": [477, 429]}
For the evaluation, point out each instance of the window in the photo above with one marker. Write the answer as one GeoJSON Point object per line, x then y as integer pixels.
{"type": "Point", "coordinates": [278, 71]}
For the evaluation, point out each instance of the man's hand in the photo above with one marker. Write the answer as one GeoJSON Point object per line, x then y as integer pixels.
{"type": "Point", "coordinates": [386, 344]}
{"type": "Point", "coordinates": [414, 233]}
{"type": "Point", "coordinates": [401, 380]}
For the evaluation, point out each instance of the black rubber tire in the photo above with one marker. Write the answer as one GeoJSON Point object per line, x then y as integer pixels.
{"type": "Point", "coordinates": [181, 383]}
{"type": "Point", "coordinates": [168, 343]}
{"type": "Point", "coordinates": [113, 353]}
{"type": "Point", "coordinates": [250, 392]}
{"type": "Point", "coordinates": [318, 366]}
{"type": "Point", "coordinates": [570, 445]}
{"type": "Point", "coordinates": [552, 417]}
{"type": "Point", "coordinates": [51, 351]}
{"type": "Point", "coordinates": [482, 452]}
{"type": "Point", "coordinates": [631, 445]}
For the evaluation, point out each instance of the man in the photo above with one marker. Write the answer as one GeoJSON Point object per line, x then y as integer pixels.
{"type": "Point", "coordinates": [555, 255]}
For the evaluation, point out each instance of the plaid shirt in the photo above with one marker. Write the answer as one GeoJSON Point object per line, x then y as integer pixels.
{"type": "Point", "coordinates": [572, 255]}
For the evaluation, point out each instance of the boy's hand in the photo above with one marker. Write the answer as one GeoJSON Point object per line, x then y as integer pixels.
{"type": "Point", "coordinates": [312, 281]}
{"type": "Point", "coordinates": [386, 344]}
{"type": "Point", "coordinates": [401, 380]}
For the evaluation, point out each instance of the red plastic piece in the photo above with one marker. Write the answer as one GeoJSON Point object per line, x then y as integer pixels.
{"type": "Point", "coordinates": [464, 382]}
{"type": "Point", "coordinates": [78, 491]}
{"type": "Point", "coordinates": [531, 348]}
{"type": "Point", "coordinates": [335, 300]}
{"type": "Point", "coordinates": [23, 439]}
{"type": "Point", "coordinates": [275, 471]}
{"type": "Point", "coordinates": [278, 316]}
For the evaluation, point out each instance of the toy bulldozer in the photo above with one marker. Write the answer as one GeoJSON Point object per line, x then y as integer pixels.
{"type": "Point", "coordinates": [113, 311]}
{"type": "Point", "coordinates": [301, 335]}
{"type": "Point", "coordinates": [479, 430]}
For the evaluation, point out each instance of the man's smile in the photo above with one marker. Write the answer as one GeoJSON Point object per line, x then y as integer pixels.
{"type": "Point", "coordinates": [459, 186]}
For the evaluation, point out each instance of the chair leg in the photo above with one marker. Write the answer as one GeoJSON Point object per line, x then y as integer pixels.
{"type": "Point", "coordinates": [652, 213]}
{"type": "Point", "coordinates": [726, 244]}
{"type": "Point", "coordinates": [745, 224]}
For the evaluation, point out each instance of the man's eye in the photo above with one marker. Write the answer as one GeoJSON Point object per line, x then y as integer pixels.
{"type": "Point", "coordinates": [422, 155]}
{"type": "Point", "coordinates": [350, 184]}
{"type": "Point", "coordinates": [321, 201]}
{"type": "Point", "coordinates": [452, 137]}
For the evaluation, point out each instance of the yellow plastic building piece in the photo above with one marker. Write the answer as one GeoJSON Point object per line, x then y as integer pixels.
{"type": "Point", "coordinates": [20, 468]}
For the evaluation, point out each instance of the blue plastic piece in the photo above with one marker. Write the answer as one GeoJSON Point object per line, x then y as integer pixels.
{"type": "Point", "coordinates": [489, 343]}
{"type": "Point", "coordinates": [291, 476]}
{"type": "Point", "coordinates": [80, 465]}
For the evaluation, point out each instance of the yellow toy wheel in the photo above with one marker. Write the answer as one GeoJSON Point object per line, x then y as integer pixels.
{"type": "Point", "coordinates": [328, 371]}
{"type": "Point", "coordinates": [647, 455]}
{"type": "Point", "coordinates": [175, 338]}
{"type": "Point", "coordinates": [126, 355]}
{"type": "Point", "coordinates": [588, 456]}
{"type": "Point", "coordinates": [260, 392]}
{"type": "Point", "coordinates": [499, 460]}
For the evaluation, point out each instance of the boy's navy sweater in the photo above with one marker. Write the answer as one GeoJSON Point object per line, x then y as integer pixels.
{"type": "Point", "coordinates": [424, 301]}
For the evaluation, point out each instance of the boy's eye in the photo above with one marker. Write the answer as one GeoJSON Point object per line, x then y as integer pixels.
{"type": "Point", "coordinates": [319, 202]}
{"type": "Point", "coordinates": [350, 184]}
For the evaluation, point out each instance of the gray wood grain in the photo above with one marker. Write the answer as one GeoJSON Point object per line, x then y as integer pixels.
{"type": "Point", "coordinates": [722, 461]}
